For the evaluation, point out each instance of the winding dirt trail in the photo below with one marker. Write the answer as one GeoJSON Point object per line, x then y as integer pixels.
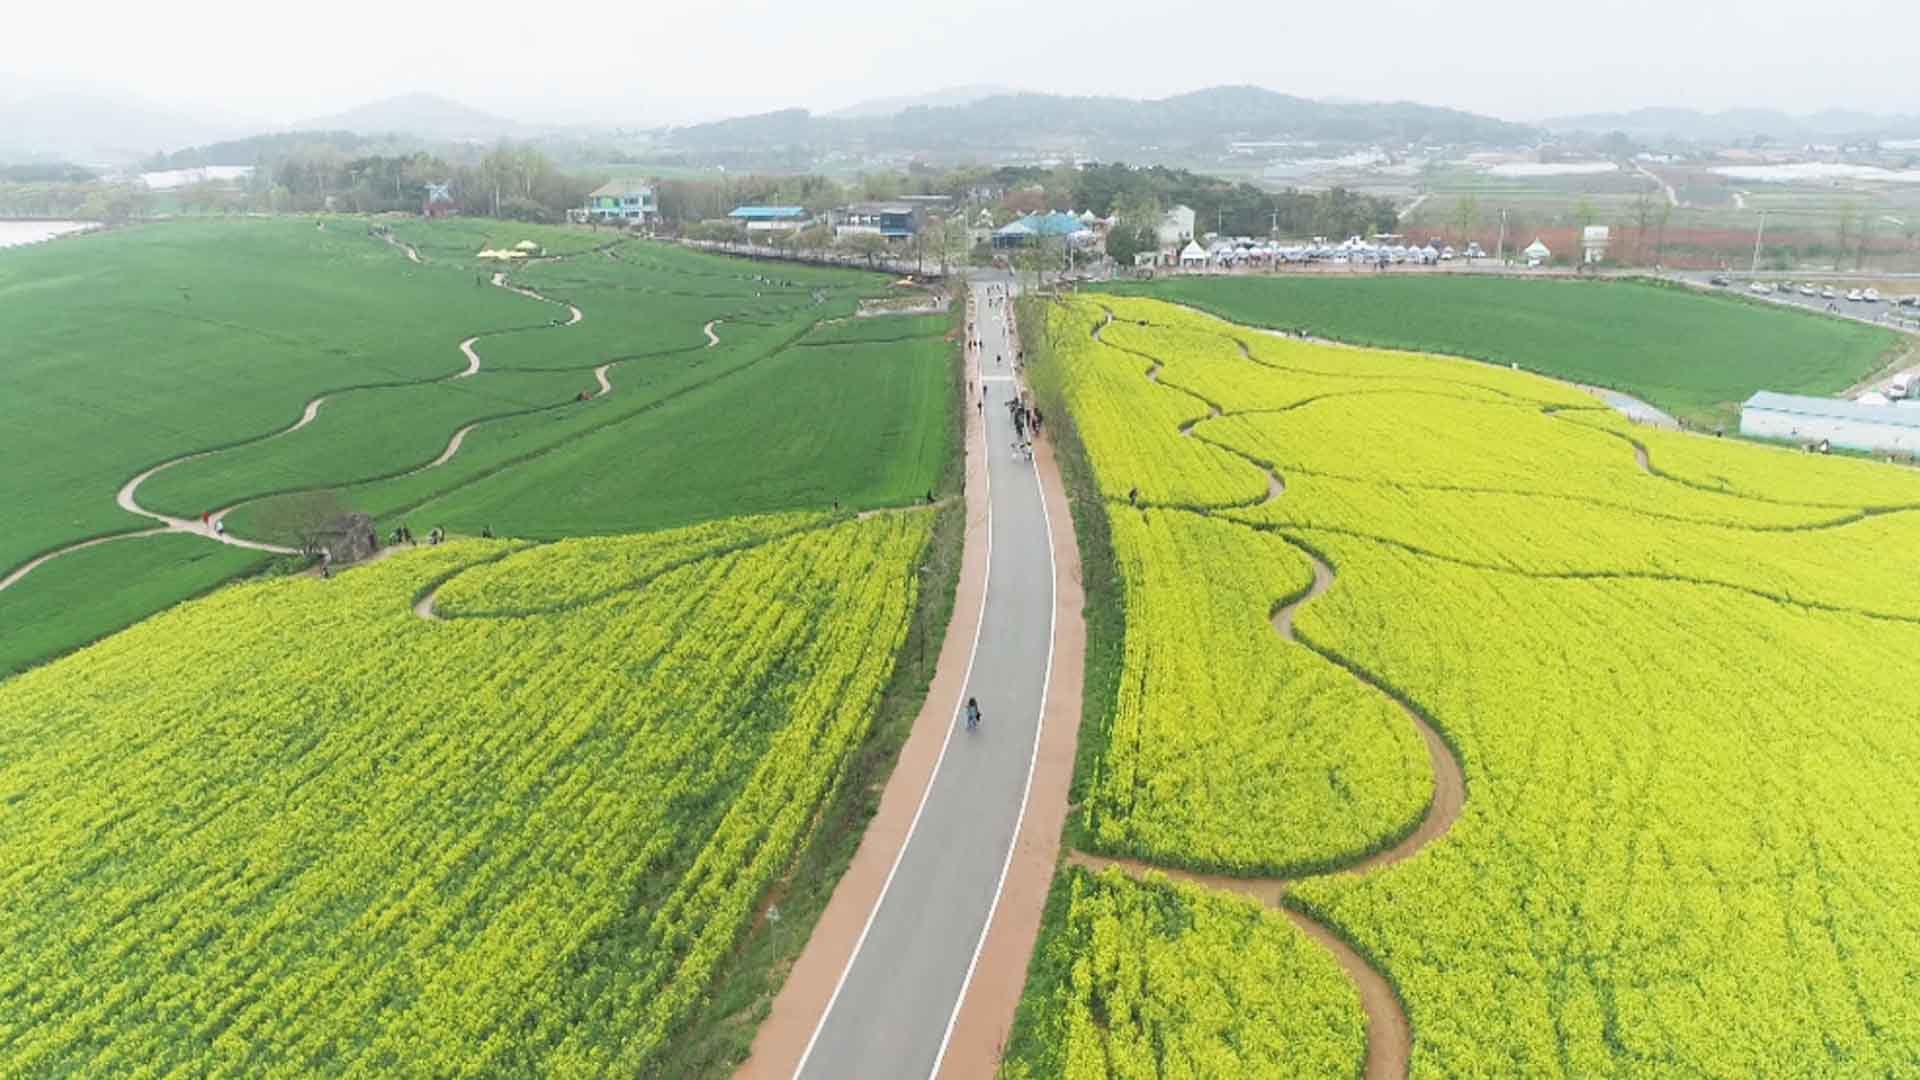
{"type": "Point", "coordinates": [412, 254]}
{"type": "Point", "coordinates": [1389, 1034]}
{"type": "Point", "coordinates": [30, 565]}
{"type": "Point", "coordinates": [712, 338]}
{"type": "Point", "coordinates": [128, 500]}
{"type": "Point", "coordinates": [600, 376]}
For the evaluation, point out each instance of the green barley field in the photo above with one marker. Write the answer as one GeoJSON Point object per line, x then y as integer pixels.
{"type": "Point", "coordinates": [1693, 354]}
{"type": "Point", "coordinates": [138, 346]}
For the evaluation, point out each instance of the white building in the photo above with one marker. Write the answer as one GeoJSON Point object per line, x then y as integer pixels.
{"type": "Point", "coordinates": [631, 201]}
{"type": "Point", "coordinates": [1176, 227]}
{"type": "Point", "coordinates": [1848, 424]}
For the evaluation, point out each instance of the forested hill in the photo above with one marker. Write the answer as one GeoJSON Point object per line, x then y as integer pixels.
{"type": "Point", "coordinates": [1107, 125]}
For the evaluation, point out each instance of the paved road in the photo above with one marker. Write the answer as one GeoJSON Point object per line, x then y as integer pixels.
{"type": "Point", "coordinates": [1885, 313]}
{"type": "Point", "coordinates": [890, 1017]}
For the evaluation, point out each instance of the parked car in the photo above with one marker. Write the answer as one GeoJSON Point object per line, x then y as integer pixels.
{"type": "Point", "coordinates": [1828, 294]}
{"type": "Point", "coordinates": [1720, 279]}
{"type": "Point", "coordinates": [1474, 251]}
{"type": "Point", "coordinates": [1808, 290]}
{"type": "Point", "coordinates": [1760, 288]}
{"type": "Point", "coordinates": [1871, 296]}
{"type": "Point", "coordinates": [1855, 295]}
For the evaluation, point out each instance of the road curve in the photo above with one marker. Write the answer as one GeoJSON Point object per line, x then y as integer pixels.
{"type": "Point", "coordinates": [892, 1011]}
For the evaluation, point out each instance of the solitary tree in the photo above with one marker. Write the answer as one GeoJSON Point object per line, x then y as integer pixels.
{"type": "Point", "coordinates": [303, 517]}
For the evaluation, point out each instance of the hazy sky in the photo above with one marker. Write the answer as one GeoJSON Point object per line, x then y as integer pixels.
{"type": "Point", "coordinates": [650, 64]}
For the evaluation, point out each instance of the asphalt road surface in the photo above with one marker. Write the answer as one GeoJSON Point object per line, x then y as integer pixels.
{"type": "Point", "coordinates": [894, 1008]}
{"type": "Point", "coordinates": [1885, 313]}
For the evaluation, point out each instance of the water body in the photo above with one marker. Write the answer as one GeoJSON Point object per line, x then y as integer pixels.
{"type": "Point", "coordinates": [15, 233]}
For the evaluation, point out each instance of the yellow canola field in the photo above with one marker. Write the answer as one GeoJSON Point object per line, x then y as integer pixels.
{"type": "Point", "coordinates": [550, 577]}
{"type": "Point", "coordinates": [293, 829]}
{"type": "Point", "coordinates": [1774, 473]}
{"type": "Point", "coordinates": [1145, 974]}
{"type": "Point", "coordinates": [1127, 418]}
{"type": "Point", "coordinates": [1240, 756]}
{"type": "Point", "coordinates": [1687, 843]}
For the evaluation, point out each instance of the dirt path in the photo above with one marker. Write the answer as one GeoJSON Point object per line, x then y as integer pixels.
{"type": "Point", "coordinates": [1389, 1035]}
{"type": "Point", "coordinates": [408, 249]}
{"type": "Point", "coordinates": [1389, 1038]}
{"type": "Point", "coordinates": [30, 565]}
{"type": "Point", "coordinates": [1673, 197]}
{"type": "Point", "coordinates": [212, 527]}
{"type": "Point", "coordinates": [600, 376]}
{"type": "Point", "coordinates": [712, 338]}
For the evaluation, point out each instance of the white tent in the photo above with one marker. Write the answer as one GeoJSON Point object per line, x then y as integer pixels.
{"type": "Point", "coordinates": [1193, 255]}
{"type": "Point", "coordinates": [1537, 253]}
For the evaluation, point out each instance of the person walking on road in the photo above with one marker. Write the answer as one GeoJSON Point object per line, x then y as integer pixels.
{"type": "Point", "coordinates": [973, 713]}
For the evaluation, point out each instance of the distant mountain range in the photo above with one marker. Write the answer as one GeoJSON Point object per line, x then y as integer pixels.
{"type": "Point", "coordinates": [49, 122]}
{"type": "Point", "coordinates": [892, 106]}
{"type": "Point", "coordinates": [1720, 127]}
{"type": "Point", "coordinates": [427, 116]}
{"type": "Point", "coordinates": [1101, 126]}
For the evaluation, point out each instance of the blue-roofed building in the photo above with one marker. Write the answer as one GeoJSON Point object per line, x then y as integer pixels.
{"type": "Point", "coordinates": [1848, 424]}
{"type": "Point", "coordinates": [770, 218]}
{"type": "Point", "coordinates": [1036, 226]}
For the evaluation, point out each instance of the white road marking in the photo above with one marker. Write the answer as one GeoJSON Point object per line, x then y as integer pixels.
{"type": "Point", "coordinates": [873, 913]}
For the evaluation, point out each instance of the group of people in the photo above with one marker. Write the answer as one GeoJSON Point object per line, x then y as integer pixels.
{"type": "Point", "coordinates": [1026, 425]}
{"type": "Point", "coordinates": [404, 534]}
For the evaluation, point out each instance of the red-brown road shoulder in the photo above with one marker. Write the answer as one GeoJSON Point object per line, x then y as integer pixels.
{"type": "Point", "coordinates": [986, 1016]}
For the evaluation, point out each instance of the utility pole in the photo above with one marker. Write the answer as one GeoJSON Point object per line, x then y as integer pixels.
{"type": "Point", "coordinates": [1273, 231]}
{"type": "Point", "coordinates": [1500, 249]}
{"type": "Point", "coordinates": [1758, 232]}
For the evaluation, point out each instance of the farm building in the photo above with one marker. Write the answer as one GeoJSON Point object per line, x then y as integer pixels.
{"type": "Point", "coordinates": [623, 200]}
{"type": "Point", "coordinates": [891, 220]}
{"type": "Point", "coordinates": [770, 218]}
{"type": "Point", "coordinates": [1849, 424]}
